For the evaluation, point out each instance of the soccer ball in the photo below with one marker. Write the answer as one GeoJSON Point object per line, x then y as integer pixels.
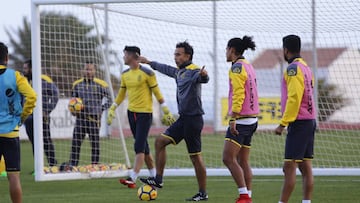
{"type": "Point", "coordinates": [82, 169]}
{"type": "Point", "coordinates": [115, 166]}
{"type": "Point", "coordinates": [75, 105]}
{"type": "Point", "coordinates": [54, 169]}
{"type": "Point", "coordinates": [74, 169]}
{"type": "Point", "coordinates": [46, 169]}
{"type": "Point", "coordinates": [147, 193]}
{"type": "Point", "coordinates": [65, 167]}
{"type": "Point", "coordinates": [103, 167]}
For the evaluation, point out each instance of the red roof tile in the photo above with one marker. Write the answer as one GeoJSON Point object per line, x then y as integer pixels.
{"type": "Point", "coordinates": [271, 57]}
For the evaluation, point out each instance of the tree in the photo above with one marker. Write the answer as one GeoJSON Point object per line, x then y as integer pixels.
{"type": "Point", "coordinates": [329, 99]}
{"type": "Point", "coordinates": [21, 49]}
{"type": "Point", "coordinates": [66, 44]}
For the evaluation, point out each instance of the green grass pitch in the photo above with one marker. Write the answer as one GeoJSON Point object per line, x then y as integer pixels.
{"type": "Point", "coordinates": [266, 189]}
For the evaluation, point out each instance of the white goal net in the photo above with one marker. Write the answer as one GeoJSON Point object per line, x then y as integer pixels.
{"type": "Point", "coordinates": [66, 34]}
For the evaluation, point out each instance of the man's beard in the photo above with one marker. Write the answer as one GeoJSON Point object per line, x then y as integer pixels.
{"type": "Point", "coordinates": [285, 58]}
{"type": "Point", "coordinates": [28, 76]}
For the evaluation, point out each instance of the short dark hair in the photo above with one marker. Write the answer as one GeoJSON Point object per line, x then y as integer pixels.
{"type": "Point", "coordinates": [132, 49]}
{"type": "Point", "coordinates": [187, 48]}
{"type": "Point", "coordinates": [240, 45]}
{"type": "Point", "coordinates": [3, 53]}
{"type": "Point", "coordinates": [292, 43]}
{"type": "Point", "coordinates": [29, 62]}
{"type": "Point", "coordinates": [90, 62]}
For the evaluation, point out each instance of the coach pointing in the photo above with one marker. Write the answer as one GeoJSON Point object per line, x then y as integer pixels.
{"type": "Point", "coordinates": [188, 126]}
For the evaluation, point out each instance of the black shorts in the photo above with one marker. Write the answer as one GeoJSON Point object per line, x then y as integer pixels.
{"type": "Point", "coordinates": [140, 124]}
{"type": "Point", "coordinates": [245, 135]}
{"type": "Point", "coordinates": [300, 140]}
{"type": "Point", "coordinates": [10, 149]}
{"type": "Point", "coordinates": [187, 128]}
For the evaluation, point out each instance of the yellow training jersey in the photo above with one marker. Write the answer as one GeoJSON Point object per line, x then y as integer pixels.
{"type": "Point", "coordinates": [139, 84]}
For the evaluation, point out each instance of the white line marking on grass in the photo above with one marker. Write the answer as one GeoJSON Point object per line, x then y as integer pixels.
{"type": "Point", "coordinates": [229, 179]}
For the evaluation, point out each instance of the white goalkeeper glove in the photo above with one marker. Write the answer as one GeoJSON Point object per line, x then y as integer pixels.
{"type": "Point", "coordinates": [167, 118]}
{"type": "Point", "coordinates": [111, 113]}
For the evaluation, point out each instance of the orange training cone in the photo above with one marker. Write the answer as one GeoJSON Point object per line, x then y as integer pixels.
{"type": "Point", "coordinates": [2, 167]}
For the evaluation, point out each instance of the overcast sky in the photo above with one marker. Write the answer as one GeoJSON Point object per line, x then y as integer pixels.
{"type": "Point", "coordinates": [340, 15]}
{"type": "Point", "coordinates": [12, 13]}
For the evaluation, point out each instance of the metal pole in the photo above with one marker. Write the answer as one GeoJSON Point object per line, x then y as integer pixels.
{"type": "Point", "coordinates": [214, 55]}
{"type": "Point", "coordinates": [36, 72]}
{"type": "Point", "coordinates": [52, 2]}
{"type": "Point", "coordinates": [106, 16]}
{"type": "Point", "coordinates": [108, 79]}
{"type": "Point", "coordinates": [315, 65]}
{"type": "Point", "coordinates": [106, 33]}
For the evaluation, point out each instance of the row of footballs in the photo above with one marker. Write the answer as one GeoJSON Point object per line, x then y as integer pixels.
{"type": "Point", "coordinates": [87, 168]}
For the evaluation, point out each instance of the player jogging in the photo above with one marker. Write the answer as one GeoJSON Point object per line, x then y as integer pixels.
{"type": "Point", "coordinates": [243, 110]}
{"type": "Point", "coordinates": [188, 126]}
{"type": "Point", "coordinates": [139, 83]}
{"type": "Point", "coordinates": [298, 115]}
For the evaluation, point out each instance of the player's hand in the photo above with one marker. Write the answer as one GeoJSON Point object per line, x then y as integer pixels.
{"type": "Point", "coordinates": [76, 113]}
{"type": "Point", "coordinates": [22, 119]}
{"type": "Point", "coordinates": [111, 114]}
{"type": "Point", "coordinates": [203, 72]}
{"type": "Point", "coordinates": [142, 59]}
{"type": "Point", "coordinates": [279, 130]}
{"type": "Point", "coordinates": [167, 119]}
{"type": "Point", "coordinates": [232, 126]}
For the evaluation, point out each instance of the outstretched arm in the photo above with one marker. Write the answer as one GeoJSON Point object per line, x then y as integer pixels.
{"type": "Point", "coordinates": [162, 68]}
{"type": "Point", "coordinates": [203, 76]}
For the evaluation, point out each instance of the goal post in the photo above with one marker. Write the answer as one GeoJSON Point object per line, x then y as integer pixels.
{"type": "Point", "coordinates": [110, 168]}
{"type": "Point", "coordinates": [66, 32]}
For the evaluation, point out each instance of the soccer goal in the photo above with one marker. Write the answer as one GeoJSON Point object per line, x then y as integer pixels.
{"type": "Point", "coordinates": [66, 33]}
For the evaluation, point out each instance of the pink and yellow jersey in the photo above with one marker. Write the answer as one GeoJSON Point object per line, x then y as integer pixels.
{"type": "Point", "coordinates": [243, 95]}
{"type": "Point", "coordinates": [297, 99]}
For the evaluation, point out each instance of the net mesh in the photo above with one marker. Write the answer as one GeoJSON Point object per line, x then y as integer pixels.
{"type": "Point", "coordinates": [157, 27]}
